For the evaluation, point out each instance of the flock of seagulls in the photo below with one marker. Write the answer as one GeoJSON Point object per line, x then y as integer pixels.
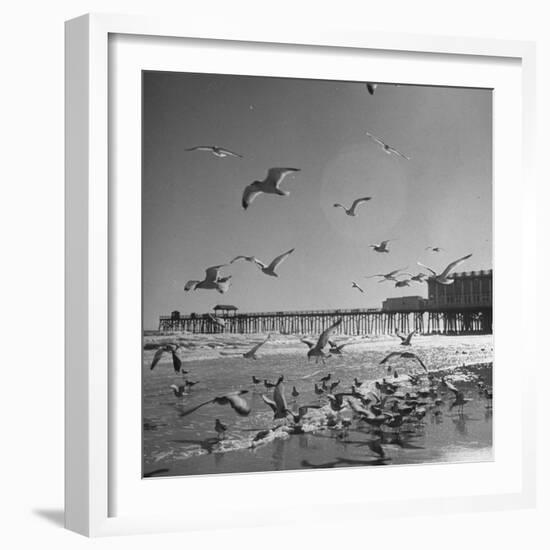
{"type": "Point", "coordinates": [271, 185]}
{"type": "Point", "coordinates": [387, 405]}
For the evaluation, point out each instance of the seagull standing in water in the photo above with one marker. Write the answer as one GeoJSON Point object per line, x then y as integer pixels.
{"type": "Point", "coordinates": [211, 281]}
{"type": "Point", "coordinates": [388, 149]}
{"type": "Point", "coordinates": [382, 247]}
{"type": "Point", "coordinates": [269, 185]}
{"type": "Point", "coordinates": [266, 269]}
{"type": "Point", "coordinates": [443, 278]}
{"type": "Point", "coordinates": [219, 152]}
{"type": "Point", "coordinates": [351, 211]}
{"type": "Point", "coordinates": [220, 428]}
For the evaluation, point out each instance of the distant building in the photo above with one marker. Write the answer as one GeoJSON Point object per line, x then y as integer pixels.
{"type": "Point", "coordinates": [470, 289]}
{"type": "Point", "coordinates": [225, 309]}
{"type": "Point", "coordinates": [404, 303]}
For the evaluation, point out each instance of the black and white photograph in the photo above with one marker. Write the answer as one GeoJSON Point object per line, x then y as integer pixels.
{"type": "Point", "coordinates": [317, 267]}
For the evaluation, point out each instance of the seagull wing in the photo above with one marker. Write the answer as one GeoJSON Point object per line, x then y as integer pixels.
{"type": "Point", "coordinates": [389, 356]}
{"type": "Point", "coordinates": [308, 343]}
{"type": "Point", "coordinates": [325, 335]}
{"type": "Point", "coordinates": [247, 258]}
{"type": "Point", "coordinates": [275, 175]}
{"type": "Point", "coordinates": [420, 361]}
{"type": "Point", "coordinates": [190, 285]}
{"type": "Point", "coordinates": [193, 409]}
{"type": "Point", "coordinates": [176, 361]}
{"type": "Point", "coordinates": [212, 273]}
{"type": "Point", "coordinates": [272, 405]}
{"type": "Point", "coordinates": [201, 148]}
{"type": "Point", "coordinates": [228, 152]}
{"type": "Point", "coordinates": [156, 357]}
{"type": "Point", "coordinates": [357, 202]}
{"type": "Point", "coordinates": [399, 153]}
{"type": "Point", "coordinates": [279, 259]}
{"type": "Point", "coordinates": [428, 268]}
{"type": "Point", "coordinates": [337, 204]}
{"type": "Point", "coordinates": [452, 265]}
{"type": "Point", "coordinates": [249, 194]}
{"type": "Point", "coordinates": [279, 397]}
{"type": "Point", "coordinates": [395, 271]}
{"type": "Point", "coordinates": [399, 335]}
{"type": "Point", "coordinates": [258, 346]}
{"type": "Point", "coordinates": [377, 140]}
{"type": "Point", "coordinates": [408, 339]}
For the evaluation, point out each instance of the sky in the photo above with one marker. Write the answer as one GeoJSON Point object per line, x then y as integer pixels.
{"type": "Point", "coordinates": [192, 216]}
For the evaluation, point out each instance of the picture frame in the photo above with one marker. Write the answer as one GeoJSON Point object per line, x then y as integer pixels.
{"type": "Point", "coordinates": [104, 53]}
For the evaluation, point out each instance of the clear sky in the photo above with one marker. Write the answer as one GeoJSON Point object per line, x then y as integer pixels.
{"type": "Point", "coordinates": [191, 201]}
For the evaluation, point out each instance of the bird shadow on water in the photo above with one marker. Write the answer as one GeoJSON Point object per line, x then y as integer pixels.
{"type": "Point", "coordinates": [54, 516]}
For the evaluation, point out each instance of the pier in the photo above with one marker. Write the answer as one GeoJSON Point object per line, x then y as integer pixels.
{"type": "Point", "coordinates": [466, 320]}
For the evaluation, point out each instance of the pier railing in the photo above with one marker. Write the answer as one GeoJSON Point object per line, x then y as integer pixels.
{"type": "Point", "coordinates": [470, 320]}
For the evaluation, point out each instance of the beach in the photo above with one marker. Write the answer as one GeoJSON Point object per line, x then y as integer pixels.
{"type": "Point", "coordinates": [175, 445]}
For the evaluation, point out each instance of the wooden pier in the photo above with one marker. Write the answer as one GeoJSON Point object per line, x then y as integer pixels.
{"type": "Point", "coordinates": [467, 320]}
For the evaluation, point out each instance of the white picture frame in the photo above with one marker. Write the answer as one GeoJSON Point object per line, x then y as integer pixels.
{"type": "Point", "coordinates": [98, 407]}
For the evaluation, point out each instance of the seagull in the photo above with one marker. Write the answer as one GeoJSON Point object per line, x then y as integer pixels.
{"type": "Point", "coordinates": [251, 354]}
{"type": "Point", "coordinates": [371, 87]}
{"type": "Point", "coordinates": [355, 285]}
{"type": "Point", "coordinates": [404, 282]}
{"type": "Point", "coordinates": [295, 392]}
{"type": "Point", "coordinates": [317, 389]}
{"type": "Point", "coordinates": [190, 384]}
{"type": "Point", "coordinates": [278, 403]}
{"type": "Point", "coordinates": [212, 281]}
{"type": "Point", "coordinates": [405, 340]}
{"type": "Point", "coordinates": [220, 428]}
{"type": "Point", "coordinates": [179, 390]}
{"type": "Point", "coordinates": [460, 400]}
{"type": "Point", "coordinates": [234, 399]}
{"type": "Point", "coordinates": [302, 411]}
{"type": "Point", "coordinates": [269, 185]}
{"type": "Point", "coordinates": [326, 378]}
{"type": "Point", "coordinates": [255, 380]}
{"type": "Point", "coordinates": [266, 269]}
{"type": "Point", "coordinates": [317, 350]}
{"type": "Point", "coordinates": [443, 278]}
{"type": "Point", "coordinates": [434, 248]}
{"type": "Point", "coordinates": [217, 320]}
{"type": "Point", "coordinates": [357, 382]}
{"type": "Point", "coordinates": [405, 355]}
{"type": "Point", "coordinates": [387, 148]}
{"type": "Point", "coordinates": [418, 278]}
{"type": "Point", "coordinates": [269, 384]}
{"type": "Point", "coordinates": [352, 209]}
{"type": "Point", "coordinates": [171, 348]}
{"type": "Point", "coordinates": [337, 349]}
{"type": "Point", "coordinates": [382, 247]}
{"type": "Point", "coordinates": [219, 152]}
{"type": "Point", "coordinates": [386, 276]}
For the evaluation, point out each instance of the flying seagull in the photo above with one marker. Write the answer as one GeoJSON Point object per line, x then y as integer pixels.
{"type": "Point", "coordinates": [371, 87]}
{"type": "Point", "coordinates": [219, 152]}
{"type": "Point", "coordinates": [234, 399]}
{"type": "Point", "coordinates": [269, 185]}
{"type": "Point", "coordinates": [353, 208]}
{"type": "Point", "coordinates": [211, 281]}
{"type": "Point", "coordinates": [267, 269]}
{"type": "Point", "coordinates": [336, 349]}
{"type": "Point", "coordinates": [217, 320]}
{"type": "Point", "coordinates": [443, 278]}
{"type": "Point", "coordinates": [386, 276]}
{"type": "Point", "coordinates": [355, 285]}
{"type": "Point", "coordinates": [278, 404]}
{"type": "Point", "coordinates": [317, 350]}
{"type": "Point", "coordinates": [405, 355]}
{"type": "Point", "coordinates": [434, 248]}
{"type": "Point", "coordinates": [419, 277]}
{"type": "Point", "coordinates": [251, 354]}
{"type": "Point", "coordinates": [168, 348]}
{"type": "Point", "coordinates": [382, 247]}
{"type": "Point", "coordinates": [405, 340]}
{"type": "Point", "coordinates": [402, 283]}
{"type": "Point", "coordinates": [387, 148]}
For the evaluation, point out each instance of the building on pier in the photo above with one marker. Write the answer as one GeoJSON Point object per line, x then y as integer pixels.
{"type": "Point", "coordinates": [471, 289]}
{"type": "Point", "coordinates": [404, 303]}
